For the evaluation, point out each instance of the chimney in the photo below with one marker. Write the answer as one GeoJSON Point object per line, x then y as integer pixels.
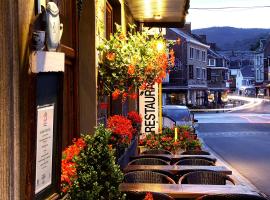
{"type": "Point", "coordinates": [187, 28]}
{"type": "Point", "coordinates": [213, 46]}
{"type": "Point", "coordinates": [203, 38]}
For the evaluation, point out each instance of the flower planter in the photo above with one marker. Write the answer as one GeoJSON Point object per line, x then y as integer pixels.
{"type": "Point", "coordinates": [130, 151]}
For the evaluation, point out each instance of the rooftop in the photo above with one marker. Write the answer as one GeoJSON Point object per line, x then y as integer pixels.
{"type": "Point", "coordinates": [189, 38]}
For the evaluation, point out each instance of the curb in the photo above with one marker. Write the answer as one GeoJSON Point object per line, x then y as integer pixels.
{"type": "Point", "coordinates": [239, 179]}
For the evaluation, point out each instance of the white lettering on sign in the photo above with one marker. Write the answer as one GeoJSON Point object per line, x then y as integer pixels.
{"type": "Point", "coordinates": [149, 109]}
{"type": "Point", "coordinates": [44, 148]}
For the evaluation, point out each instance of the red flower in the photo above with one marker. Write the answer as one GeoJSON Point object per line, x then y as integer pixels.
{"type": "Point", "coordinates": [148, 196]}
{"type": "Point", "coordinates": [121, 36]}
{"type": "Point", "coordinates": [68, 166]}
{"type": "Point", "coordinates": [110, 56]}
{"type": "Point", "coordinates": [116, 94]}
{"type": "Point", "coordinates": [120, 125]}
{"type": "Point", "coordinates": [134, 117]}
{"type": "Point", "coordinates": [186, 134]}
{"type": "Point", "coordinates": [133, 95]}
{"type": "Point", "coordinates": [131, 69]}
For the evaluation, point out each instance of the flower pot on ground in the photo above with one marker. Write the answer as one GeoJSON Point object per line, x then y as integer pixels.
{"type": "Point", "coordinates": [167, 140]}
{"type": "Point", "coordinates": [95, 173]}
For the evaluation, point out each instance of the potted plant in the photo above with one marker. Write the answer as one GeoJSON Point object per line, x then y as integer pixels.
{"type": "Point", "coordinates": [95, 175]}
{"type": "Point", "coordinates": [132, 61]}
{"type": "Point", "coordinates": [166, 140]}
{"type": "Point", "coordinates": [136, 120]}
{"type": "Point", "coordinates": [122, 133]}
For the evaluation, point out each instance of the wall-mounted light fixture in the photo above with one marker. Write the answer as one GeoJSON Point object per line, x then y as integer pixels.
{"type": "Point", "coordinates": [157, 17]}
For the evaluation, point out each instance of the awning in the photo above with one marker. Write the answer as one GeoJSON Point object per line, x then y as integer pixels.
{"type": "Point", "coordinates": [159, 13]}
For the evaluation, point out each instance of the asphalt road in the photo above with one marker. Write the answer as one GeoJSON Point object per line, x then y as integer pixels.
{"type": "Point", "coordinates": [243, 140]}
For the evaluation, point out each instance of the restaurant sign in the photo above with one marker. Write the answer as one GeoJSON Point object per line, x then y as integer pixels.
{"type": "Point", "coordinates": [148, 108]}
{"type": "Point", "coordinates": [44, 148]}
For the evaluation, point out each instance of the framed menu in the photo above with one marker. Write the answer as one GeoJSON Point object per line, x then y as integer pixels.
{"type": "Point", "coordinates": [44, 147]}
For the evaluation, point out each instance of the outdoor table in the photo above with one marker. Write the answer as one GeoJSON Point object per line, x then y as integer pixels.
{"type": "Point", "coordinates": [185, 190]}
{"type": "Point", "coordinates": [174, 158]}
{"type": "Point", "coordinates": [176, 169]}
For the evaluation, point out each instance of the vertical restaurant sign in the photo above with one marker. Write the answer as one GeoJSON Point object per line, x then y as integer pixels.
{"type": "Point", "coordinates": [148, 108]}
{"type": "Point", "coordinates": [44, 147]}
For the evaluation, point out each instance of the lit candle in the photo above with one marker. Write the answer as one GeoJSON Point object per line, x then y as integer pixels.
{"type": "Point", "coordinates": [175, 134]}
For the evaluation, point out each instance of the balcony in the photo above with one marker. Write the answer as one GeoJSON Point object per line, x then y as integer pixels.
{"type": "Point", "coordinates": [197, 83]}
{"type": "Point", "coordinates": [216, 84]}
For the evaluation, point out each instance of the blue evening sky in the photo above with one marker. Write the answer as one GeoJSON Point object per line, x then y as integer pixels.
{"type": "Point", "coordinates": [240, 17]}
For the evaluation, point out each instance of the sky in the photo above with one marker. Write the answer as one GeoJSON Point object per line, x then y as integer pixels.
{"type": "Point", "coordinates": [240, 17]}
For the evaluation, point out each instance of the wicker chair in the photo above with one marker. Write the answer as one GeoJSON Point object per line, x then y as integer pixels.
{"type": "Point", "coordinates": [147, 177]}
{"type": "Point", "coordinates": [195, 161]}
{"type": "Point", "coordinates": [195, 153]}
{"type": "Point", "coordinates": [157, 151]}
{"type": "Point", "coordinates": [199, 157]}
{"type": "Point", "coordinates": [162, 157]}
{"type": "Point", "coordinates": [148, 161]}
{"type": "Point", "coordinates": [205, 177]}
{"type": "Point", "coordinates": [231, 197]}
{"type": "Point", "coordinates": [141, 196]}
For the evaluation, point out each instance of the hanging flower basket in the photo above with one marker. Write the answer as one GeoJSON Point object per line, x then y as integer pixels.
{"type": "Point", "coordinates": [132, 61]}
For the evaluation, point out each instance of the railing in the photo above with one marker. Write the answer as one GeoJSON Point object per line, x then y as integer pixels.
{"type": "Point", "coordinates": [197, 82]}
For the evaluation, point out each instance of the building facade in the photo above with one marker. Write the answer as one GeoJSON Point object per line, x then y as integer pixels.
{"type": "Point", "coordinates": [187, 83]}
{"type": "Point", "coordinates": [217, 76]}
{"type": "Point", "coordinates": [73, 91]}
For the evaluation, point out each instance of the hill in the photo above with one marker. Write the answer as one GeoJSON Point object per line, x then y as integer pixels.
{"type": "Point", "coordinates": [230, 38]}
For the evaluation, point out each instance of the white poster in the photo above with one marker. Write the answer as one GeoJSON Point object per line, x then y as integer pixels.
{"type": "Point", "coordinates": [148, 108]}
{"type": "Point", "coordinates": [44, 148]}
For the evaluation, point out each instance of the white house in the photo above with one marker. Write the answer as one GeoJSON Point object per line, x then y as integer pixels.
{"type": "Point", "coordinates": [245, 79]}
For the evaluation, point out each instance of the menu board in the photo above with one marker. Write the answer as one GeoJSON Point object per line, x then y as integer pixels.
{"type": "Point", "coordinates": [44, 147]}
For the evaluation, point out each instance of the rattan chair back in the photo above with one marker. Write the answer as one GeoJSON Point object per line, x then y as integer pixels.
{"type": "Point", "coordinates": [205, 177]}
{"type": "Point", "coordinates": [148, 161]}
{"type": "Point", "coordinates": [195, 161]}
{"type": "Point", "coordinates": [147, 177]}
{"type": "Point", "coordinates": [195, 153]}
{"type": "Point", "coordinates": [157, 151]}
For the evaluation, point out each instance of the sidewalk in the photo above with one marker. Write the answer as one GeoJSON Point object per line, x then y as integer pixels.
{"type": "Point", "coordinates": [239, 179]}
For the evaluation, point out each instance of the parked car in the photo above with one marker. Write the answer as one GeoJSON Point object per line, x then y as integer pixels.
{"type": "Point", "coordinates": [179, 115]}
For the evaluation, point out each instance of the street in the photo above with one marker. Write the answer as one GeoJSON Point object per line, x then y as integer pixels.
{"type": "Point", "coordinates": [241, 138]}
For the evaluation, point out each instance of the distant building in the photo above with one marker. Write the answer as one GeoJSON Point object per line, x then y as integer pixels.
{"type": "Point", "coordinates": [217, 74]}
{"type": "Point", "coordinates": [266, 83]}
{"type": "Point", "coordinates": [237, 60]}
{"type": "Point", "coordinates": [259, 66]}
{"type": "Point", "coordinates": [187, 83]}
{"type": "Point", "coordinates": [245, 80]}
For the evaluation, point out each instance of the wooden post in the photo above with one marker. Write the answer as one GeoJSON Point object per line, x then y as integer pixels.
{"type": "Point", "coordinates": [9, 102]}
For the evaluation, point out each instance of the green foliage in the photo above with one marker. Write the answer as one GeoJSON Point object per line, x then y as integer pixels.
{"type": "Point", "coordinates": [132, 61]}
{"type": "Point", "coordinates": [98, 176]}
